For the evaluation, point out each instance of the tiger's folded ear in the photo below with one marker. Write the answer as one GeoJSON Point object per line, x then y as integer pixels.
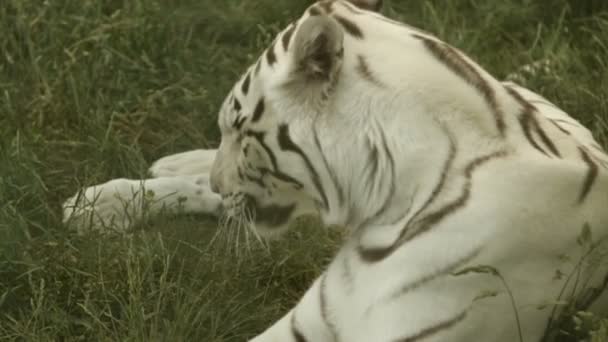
{"type": "Point", "coordinates": [318, 49]}
{"type": "Point", "coordinates": [370, 5]}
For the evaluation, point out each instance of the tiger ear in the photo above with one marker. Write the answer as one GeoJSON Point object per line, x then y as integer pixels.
{"type": "Point", "coordinates": [370, 5]}
{"type": "Point", "coordinates": [318, 48]}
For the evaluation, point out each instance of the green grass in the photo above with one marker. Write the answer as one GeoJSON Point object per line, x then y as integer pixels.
{"type": "Point", "coordinates": [92, 90]}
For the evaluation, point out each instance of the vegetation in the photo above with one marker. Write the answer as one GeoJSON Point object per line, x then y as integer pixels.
{"type": "Point", "coordinates": [97, 89]}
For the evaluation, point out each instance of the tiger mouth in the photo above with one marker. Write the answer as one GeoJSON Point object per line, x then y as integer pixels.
{"type": "Point", "coordinates": [273, 215]}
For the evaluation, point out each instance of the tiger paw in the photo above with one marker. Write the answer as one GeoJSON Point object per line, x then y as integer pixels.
{"type": "Point", "coordinates": [118, 205]}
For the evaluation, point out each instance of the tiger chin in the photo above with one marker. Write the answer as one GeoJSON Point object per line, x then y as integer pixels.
{"type": "Point", "coordinates": [461, 193]}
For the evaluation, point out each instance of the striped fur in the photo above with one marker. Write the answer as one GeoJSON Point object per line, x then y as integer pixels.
{"type": "Point", "coordinates": [423, 197]}
{"type": "Point", "coordinates": [448, 182]}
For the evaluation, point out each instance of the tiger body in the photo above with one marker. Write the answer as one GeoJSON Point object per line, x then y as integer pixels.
{"type": "Point", "coordinates": [434, 167]}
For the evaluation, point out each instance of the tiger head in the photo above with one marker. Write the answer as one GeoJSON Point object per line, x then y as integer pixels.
{"type": "Point", "coordinates": [289, 145]}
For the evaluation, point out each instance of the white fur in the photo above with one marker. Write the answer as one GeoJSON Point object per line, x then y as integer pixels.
{"type": "Point", "coordinates": [521, 218]}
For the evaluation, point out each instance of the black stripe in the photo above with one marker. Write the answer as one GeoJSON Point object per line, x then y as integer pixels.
{"type": "Point", "coordinates": [560, 127]}
{"type": "Point", "coordinates": [324, 308]}
{"type": "Point", "coordinates": [524, 121]}
{"type": "Point", "coordinates": [275, 172]}
{"type": "Point", "coordinates": [543, 136]}
{"type": "Point", "coordinates": [389, 199]}
{"type": "Point", "coordinates": [442, 178]}
{"type": "Point", "coordinates": [258, 66]}
{"type": "Point", "coordinates": [435, 329]}
{"type": "Point", "coordinates": [257, 180]}
{"type": "Point", "coordinates": [270, 56]}
{"type": "Point", "coordinates": [350, 27]}
{"type": "Point", "coordinates": [365, 72]}
{"type": "Point", "coordinates": [367, 6]}
{"type": "Point", "coordinates": [282, 176]}
{"type": "Point", "coordinates": [259, 110]}
{"type": "Point", "coordinates": [528, 121]}
{"type": "Point", "coordinates": [372, 162]}
{"type": "Point", "coordinates": [297, 335]}
{"type": "Point", "coordinates": [236, 104]}
{"type": "Point", "coordinates": [423, 225]}
{"type": "Point", "coordinates": [436, 274]}
{"type": "Point", "coordinates": [332, 174]}
{"type": "Point", "coordinates": [245, 85]}
{"type": "Point", "coordinates": [239, 121]}
{"type": "Point", "coordinates": [455, 62]}
{"type": "Point", "coordinates": [259, 137]}
{"type": "Point", "coordinates": [428, 221]}
{"type": "Point", "coordinates": [590, 177]}
{"type": "Point", "coordinates": [287, 36]}
{"type": "Point", "coordinates": [313, 11]}
{"type": "Point", "coordinates": [286, 144]}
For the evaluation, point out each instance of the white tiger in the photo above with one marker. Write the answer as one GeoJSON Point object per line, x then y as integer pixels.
{"type": "Point", "coordinates": [433, 166]}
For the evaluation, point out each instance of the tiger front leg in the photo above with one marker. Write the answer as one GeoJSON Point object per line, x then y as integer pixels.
{"type": "Point", "coordinates": [120, 204]}
{"type": "Point", "coordinates": [304, 322]}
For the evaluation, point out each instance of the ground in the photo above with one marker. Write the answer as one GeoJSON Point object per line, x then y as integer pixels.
{"type": "Point", "coordinates": [92, 90]}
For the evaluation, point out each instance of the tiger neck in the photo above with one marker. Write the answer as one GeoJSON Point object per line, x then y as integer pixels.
{"type": "Point", "coordinates": [395, 169]}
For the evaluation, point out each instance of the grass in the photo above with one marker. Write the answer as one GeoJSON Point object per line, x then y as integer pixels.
{"type": "Point", "coordinates": [92, 90]}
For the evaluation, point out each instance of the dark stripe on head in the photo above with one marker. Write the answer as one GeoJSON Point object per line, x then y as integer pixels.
{"type": "Point", "coordinates": [270, 56]}
{"type": "Point", "coordinates": [250, 178]}
{"type": "Point", "coordinates": [365, 72]}
{"type": "Point", "coordinates": [236, 104]}
{"type": "Point", "coordinates": [327, 6]}
{"type": "Point", "coordinates": [350, 27]}
{"type": "Point", "coordinates": [314, 11]}
{"type": "Point", "coordinates": [435, 329]}
{"type": "Point", "coordinates": [590, 177]}
{"type": "Point", "coordinates": [297, 335]}
{"type": "Point", "coordinates": [424, 224]}
{"type": "Point", "coordinates": [259, 137]}
{"type": "Point", "coordinates": [366, 5]}
{"type": "Point", "coordinates": [278, 174]}
{"type": "Point", "coordinates": [287, 36]}
{"type": "Point", "coordinates": [455, 62]}
{"type": "Point", "coordinates": [258, 111]}
{"type": "Point", "coordinates": [275, 172]}
{"type": "Point", "coordinates": [239, 121]}
{"type": "Point", "coordinates": [286, 144]}
{"type": "Point", "coordinates": [245, 85]}
{"type": "Point", "coordinates": [258, 66]}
